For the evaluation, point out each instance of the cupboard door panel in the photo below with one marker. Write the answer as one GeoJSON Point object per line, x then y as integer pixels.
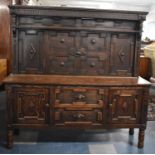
{"type": "Point", "coordinates": [122, 54]}
{"type": "Point", "coordinates": [31, 105]}
{"type": "Point", "coordinates": [31, 52]}
{"type": "Point", "coordinates": [125, 105]}
{"type": "Point", "coordinates": [95, 60]}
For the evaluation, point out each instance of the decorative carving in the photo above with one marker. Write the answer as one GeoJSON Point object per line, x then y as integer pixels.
{"type": "Point", "coordinates": [32, 51]}
{"type": "Point", "coordinates": [121, 55]}
{"type": "Point", "coordinates": [31, 105]}
{"type": "Point", "coordinates": [128, 104]}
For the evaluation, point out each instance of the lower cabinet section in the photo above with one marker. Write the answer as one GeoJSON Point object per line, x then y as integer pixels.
{"type": "Point", "coordinates": [76, 106]}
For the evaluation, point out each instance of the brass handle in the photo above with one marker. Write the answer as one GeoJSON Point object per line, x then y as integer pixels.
{"type": "Point", "coordinates": [122, 54]}
{"type": "Point", "coordinates": [92, 64]}
{"type": "Point", "coordinates": [62, 40]}
{"type": "Point", "coordinates": [79, 116]}
{"type": "Point", "coordinates": [62, 64]}
{"type": "Point", "coordinates": [111, 105]}
{"type": "Point", "coordinates": [78, 53]}
{"type": "Point", "coordinates": [93, 41]}
{"type": "Point", "coordinates": [80, 96]}
{"type": "Point", "coordinates": [47, 105]}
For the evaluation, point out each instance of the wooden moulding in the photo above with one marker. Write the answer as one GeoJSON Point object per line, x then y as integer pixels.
{"type": "Point", "coordinates": [76, 80]}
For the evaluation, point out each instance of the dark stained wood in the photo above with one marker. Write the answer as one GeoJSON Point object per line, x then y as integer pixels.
{"type": "Point", "coordinates": [73, 41]}
{"type": "Point", "coordinates": [141, 138]}
{"type": "Point", "coordinates": [131, 131]}
{"type": "Point", "coordinates": [10, 138]}
{"type": "Point", "coordinates": [76, 80]}
{"type": "Point", "coordinates": [76, 68]}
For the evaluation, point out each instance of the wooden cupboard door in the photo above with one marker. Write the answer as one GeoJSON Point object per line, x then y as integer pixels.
{"type": "Point", "coordinates": [122, 54]}
{"type": "Point", "coordinates": [31, 52]}
{"type": "Point", "coordinates": [31, 105]}
{"type": "Point", "coordinates": [125, 105]}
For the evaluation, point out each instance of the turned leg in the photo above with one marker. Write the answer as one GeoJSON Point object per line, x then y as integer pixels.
{"type": "Point", "coordinates": [131, 131]}
{"type": "Point", "coordinates": [10, 138]}
{"type": "Point", "coordinates": [16, 131]}
{"type": "Point", "coordinates": [141, 138]}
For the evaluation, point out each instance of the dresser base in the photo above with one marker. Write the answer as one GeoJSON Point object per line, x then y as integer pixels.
{"type": "Point", "coordinates": [80, 102]}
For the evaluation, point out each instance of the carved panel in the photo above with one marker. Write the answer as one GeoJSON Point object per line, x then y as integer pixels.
{"type": "Point", "coordinates": [61, 65]}
{"type": "Point", "coordinates": [75, 97]}
{"type": "Point", "coordinates": [61, 43]}
{"type": "Point", "coordinates": [76, 118]}
{"type": "Point", "coordinates": [125, 105]}
{"type": "Point", "coordinates": [31, 105]}
{"type": "Point", "coordinates": [68, 22]}
{"type": "Point", "coordinates": [77, 53]}
{"type": "Point", "coordinates": [122, 54]}
{"type": "Point", "coordinates": [31, 51]}
{"type": "Point", "coordinates": [96, 58]}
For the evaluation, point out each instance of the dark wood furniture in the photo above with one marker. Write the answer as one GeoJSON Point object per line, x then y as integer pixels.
{"type": "Point", "coordinates": [76, 68]}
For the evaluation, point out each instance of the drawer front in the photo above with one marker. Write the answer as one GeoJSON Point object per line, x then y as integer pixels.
{"type": "Point", "coordinates": [77, 53]}
{"type": "Point", "coordinates": [29, 105]}
{"type": "Point", "coordinates": [61, 65]}
{"type": "Point", "coordinates": [125, 105]}
{"type": "Point", "coordinates": [61, 43]}
{"type": "Point", "coordinates": [75, 97]}
{"type": "Point", "coordinates": [77, 118]}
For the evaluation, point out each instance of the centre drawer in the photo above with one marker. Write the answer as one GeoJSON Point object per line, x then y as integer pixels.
{"type": "Point", "coordinates": [74, 97]}
{"type": "Point", "coordinates": [65, 117]}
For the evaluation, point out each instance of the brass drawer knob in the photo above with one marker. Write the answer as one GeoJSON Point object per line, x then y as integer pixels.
{"type": "Point", "coordinates": [78, 53]}
{"type": "Point", "coordinates": [47, 105]}
{"type": "Point", "coordinates": [93, 41]}
{"type": "Point", "coordinates": [80, 96]}
{"type": "Point", "coordinates": [92, 64]}
{"type": "Point", "coordinates": [62, 64]}
{"type": "Point", "coordinates": [62, 40]}
{"type": "Point", "coordinates": [79, 116]}
{"type": "Point", "coordinates": [110, 105]}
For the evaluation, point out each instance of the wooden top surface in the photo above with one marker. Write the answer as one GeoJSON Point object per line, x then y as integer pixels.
{"type": "Point", "coordinates": [44, 7]}
{"type": "Point", "coordinates": [76, 80]}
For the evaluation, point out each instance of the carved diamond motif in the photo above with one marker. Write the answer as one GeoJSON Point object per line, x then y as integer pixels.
{"type": "Point", "coordinates": [121, 55]}
{"type": "Point", "coordinates": [32, 51]}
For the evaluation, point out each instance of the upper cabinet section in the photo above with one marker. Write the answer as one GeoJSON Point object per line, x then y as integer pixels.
{"type": "Point", "coordinates": [75, 41]}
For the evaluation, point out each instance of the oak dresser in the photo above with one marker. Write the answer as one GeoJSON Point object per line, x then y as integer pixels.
{"type": "Point", "coordinates": [76, 68]}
